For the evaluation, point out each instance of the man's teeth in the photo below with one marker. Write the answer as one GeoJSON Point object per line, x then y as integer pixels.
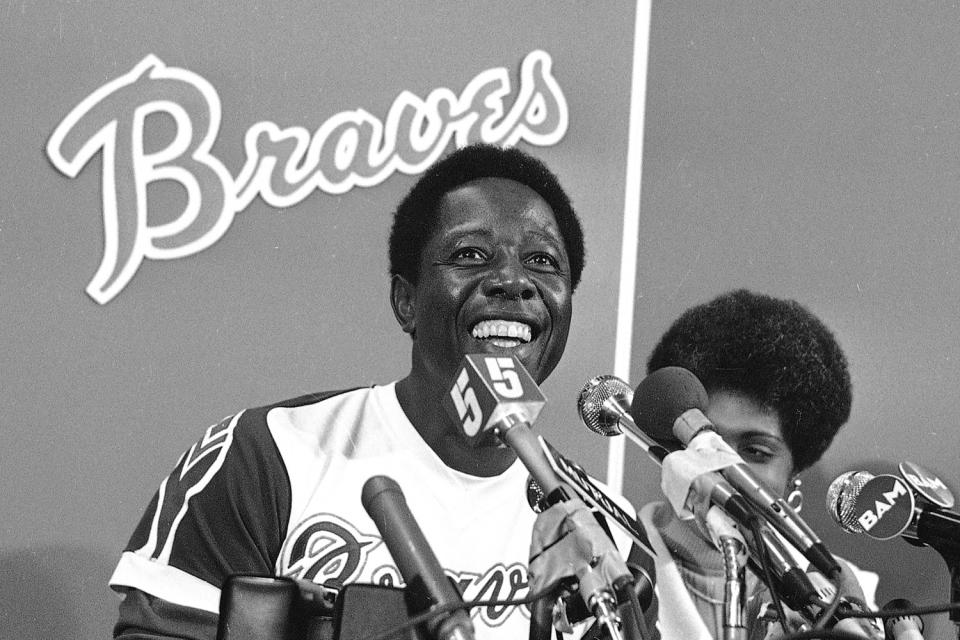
{"type": "Point", "coordinates": [503, 333]}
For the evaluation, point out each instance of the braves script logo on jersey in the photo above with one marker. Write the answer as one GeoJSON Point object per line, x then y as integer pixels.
{"type": "Point", "coordinates": [500, 582]}
{"type": "Point", "coordinates": [193, 472]}
{"type": "Point", "coordinates": [326, 549]}
{"type": "Point", "coordinates": [119, 121]}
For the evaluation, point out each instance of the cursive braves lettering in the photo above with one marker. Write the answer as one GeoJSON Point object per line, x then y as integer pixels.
{"type": "Point", "coordinates": [283, 165]}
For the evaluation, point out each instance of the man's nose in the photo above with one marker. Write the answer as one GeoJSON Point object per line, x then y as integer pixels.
{"type": "Point", "coordinates": [510, 280]}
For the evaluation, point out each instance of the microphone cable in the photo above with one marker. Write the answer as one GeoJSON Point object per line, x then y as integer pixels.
{"type": "Point", "coordinates": [767, 572]}
{"type": "Point", "coordinates": [908, 611]}
{"type": "Point", "coordinates": [830, 634]}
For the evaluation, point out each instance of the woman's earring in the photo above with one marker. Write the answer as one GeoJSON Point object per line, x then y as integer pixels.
{"type": "Point", "coordinates": [795, 497]}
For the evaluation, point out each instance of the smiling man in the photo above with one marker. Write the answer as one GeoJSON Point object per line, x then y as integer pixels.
{"type": "Point", "coordinates": [485, 254]}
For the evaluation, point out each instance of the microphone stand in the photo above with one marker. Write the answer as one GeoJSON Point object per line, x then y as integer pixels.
{"type": "Point", "coordinates": [541, 619]}
{"type": "Point", "coordinates": [953, 565]}
{"type": "Point", "coordinates": [733, 549]}
{"type": "Point", "coordinates": [734, 589]}
{"type": "Point", "coordinates": [940, 534]}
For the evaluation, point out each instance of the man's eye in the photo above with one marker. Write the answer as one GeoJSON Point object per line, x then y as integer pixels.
{"type": "Point", "coordinates": [469, 253]}
{"type": "Point", "coordinates": [544, 260]}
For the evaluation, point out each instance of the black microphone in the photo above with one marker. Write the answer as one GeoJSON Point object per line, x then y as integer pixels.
{"type": "Point", "coordinates": [495, 394]}
{"type": "Point", "coordinates": [906, 627]}
{"type": "Point", "coordinates": [886, 506]}
{"type": "Point", "coordinates": [604, 407]}
{"type": "Point", "coordinates": [668, 405]}
{"type": "Point", "coordinates": [385, 502]}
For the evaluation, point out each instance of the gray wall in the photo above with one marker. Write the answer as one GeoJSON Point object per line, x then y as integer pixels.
{"type": "Point", "coordinates": [100, 400]}
{"type": "Point", "coordinates": [812, 150]}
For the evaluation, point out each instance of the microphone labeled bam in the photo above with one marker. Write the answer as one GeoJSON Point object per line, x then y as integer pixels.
{"type": "Point", "coordinates": [426, 582]}
{"type": "Point", "coordinates": [880, 506]}
{"type": "Point", "coordinates": [886, 506]}
{"type": "Point", "coordinates": [926, 484]}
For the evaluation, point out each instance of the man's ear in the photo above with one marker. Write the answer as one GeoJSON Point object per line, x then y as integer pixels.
{"type": "Point", "coordinates": [403, 299]}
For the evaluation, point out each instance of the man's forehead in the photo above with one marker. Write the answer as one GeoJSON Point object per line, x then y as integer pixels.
{"type": "Point", "coordinates": [491, 185]}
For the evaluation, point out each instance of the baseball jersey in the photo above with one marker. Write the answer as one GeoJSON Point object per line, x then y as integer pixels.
{"type": "Point", "coordinates": [276, 491]}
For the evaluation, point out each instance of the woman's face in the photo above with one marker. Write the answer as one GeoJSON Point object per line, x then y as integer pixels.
{"type": "Point", "coordinates": [754, 432]}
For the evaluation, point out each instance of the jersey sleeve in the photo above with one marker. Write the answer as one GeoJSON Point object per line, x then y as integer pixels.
{"type": "Point", "coordinates": [223, 510]}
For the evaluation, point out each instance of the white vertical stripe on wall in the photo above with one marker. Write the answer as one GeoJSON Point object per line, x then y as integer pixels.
{"type": "Point", "coordinates": [631, 215]}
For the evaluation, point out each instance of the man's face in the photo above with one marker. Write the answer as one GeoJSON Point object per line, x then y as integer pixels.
{"type": "Point", "coordinates": [494, 278]}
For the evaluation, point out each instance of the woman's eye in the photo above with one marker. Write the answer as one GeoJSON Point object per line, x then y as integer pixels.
{"type": "Point", "coordinates": [756, 454]}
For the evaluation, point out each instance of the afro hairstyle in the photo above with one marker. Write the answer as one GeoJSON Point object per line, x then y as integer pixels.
{"type": "Point", "coordinates": [774, 352]}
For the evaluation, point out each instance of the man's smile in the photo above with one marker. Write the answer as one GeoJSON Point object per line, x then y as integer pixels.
{"type": "Point", "coordinates": [503, 333]}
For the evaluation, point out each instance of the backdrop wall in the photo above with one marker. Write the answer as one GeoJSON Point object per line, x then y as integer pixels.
{"type": "Point", "coordinates": [812, 150]}
{"type": "Point", "coordinates": [107, 380]}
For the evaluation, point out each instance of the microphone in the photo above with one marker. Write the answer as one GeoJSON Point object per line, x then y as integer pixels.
{"type": "Point", "coordinates": [886, 506]}
{"type": "Point", "coordinates": [384, 501]}
{"type": "Point", "coordinates": [604, 407]}
{"type": "Point", "coordinates": [733, 548]}
{"type": "Point", "coordinates": [495, 394]}
{"type": "Point", "coordinates": [643, 586]}
{"type": "Point", "coordinates": [906, 627]}
{"type": "Point", "coordinates": [668, 405]}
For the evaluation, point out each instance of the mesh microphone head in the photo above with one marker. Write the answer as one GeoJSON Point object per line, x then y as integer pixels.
{"type": "Point", "coordinates": [594, 402]}
{"type": "Point", "coordinates": [842, 497]}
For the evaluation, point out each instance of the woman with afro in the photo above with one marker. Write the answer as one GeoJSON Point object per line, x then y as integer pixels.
{"type": "Point", "coordinates": [778, 390]}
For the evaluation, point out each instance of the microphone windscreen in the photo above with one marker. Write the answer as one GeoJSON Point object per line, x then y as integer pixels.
{"type": "Point", "coordinates": [662, 397]}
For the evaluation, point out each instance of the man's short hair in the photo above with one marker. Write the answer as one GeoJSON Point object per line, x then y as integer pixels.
{"type": "Point", "coordinates": [774, 352]}
{"type": "Point", "coordinates": [416, 217]}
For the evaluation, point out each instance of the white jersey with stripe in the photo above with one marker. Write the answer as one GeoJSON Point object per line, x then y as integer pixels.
{"type": "Point", "coordinates": [276, 490]}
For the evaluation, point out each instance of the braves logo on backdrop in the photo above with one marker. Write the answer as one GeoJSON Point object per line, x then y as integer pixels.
{"type": "Point", "coordinates": [122, 121]}
{"type": "Point", "coordinates": [193, 472]}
